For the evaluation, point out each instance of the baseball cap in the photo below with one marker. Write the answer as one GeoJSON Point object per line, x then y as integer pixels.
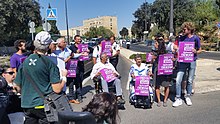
{"type": "Point", "coordinates": [42, 40]}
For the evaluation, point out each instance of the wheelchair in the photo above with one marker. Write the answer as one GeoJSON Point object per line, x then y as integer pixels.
{"type": "Point", "coordinates": [140, 101]}
{"type": "Point", "coordinates": [111, 89]}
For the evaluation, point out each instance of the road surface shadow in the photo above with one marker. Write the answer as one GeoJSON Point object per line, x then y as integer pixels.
{"type": "Point", "coordinates": [86, 89]}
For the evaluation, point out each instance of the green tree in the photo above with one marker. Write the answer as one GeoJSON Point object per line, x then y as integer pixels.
{"type": "Point", "coordinates": [124, 32]}
{"type": "Point", "coordinates": [96, 32]}
{"type": "Point", "coordinates": [15, 16]}
{"type": "Point", "coordinates": [54, 29]}
{"type": "Point", "coordinates": [183, 11]}
{"type": "Point", "coordinates": [142, 20]}
{"type": "Point", "coordinates": [205, 12]}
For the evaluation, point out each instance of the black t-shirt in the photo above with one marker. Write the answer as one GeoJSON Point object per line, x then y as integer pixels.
{"type": "Point", "coordinates": [80, 65]}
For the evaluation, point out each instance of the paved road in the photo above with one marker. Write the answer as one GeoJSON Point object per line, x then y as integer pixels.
{"type": "Point", "coordinates": [204, 55]}
{"type": "Point", "coordinates": [205, 109]}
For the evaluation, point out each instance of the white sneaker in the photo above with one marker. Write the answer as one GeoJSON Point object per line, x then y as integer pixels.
{"type": "Point", "coordinates": [188, 101]}
{"type": "Point", "coordinates": [178, 102]}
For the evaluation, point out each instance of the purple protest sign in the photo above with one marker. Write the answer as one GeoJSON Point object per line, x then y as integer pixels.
{"type": "Point", "coordinates": [106, 47]}
{"type": "Point", "coordinates": [71, 68]}
{"type": "Point", "coordinates": [22, 59]}
{"type": "Point", "coordinates": [107, 74]}
{"type": "Point", "coordinates": [142, 85]}
{"type": "Point", "coordinates": [149, 57]}
{"type": "Point", "coordinates": [185, 53]}
{"type": "Point", "coordinates": [165, 64]}
{"type": "Point", "coordinates": [83, 48]}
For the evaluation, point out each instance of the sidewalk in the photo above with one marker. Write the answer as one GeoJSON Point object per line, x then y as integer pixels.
{"type": "Point", "coordinates": [207, 76]}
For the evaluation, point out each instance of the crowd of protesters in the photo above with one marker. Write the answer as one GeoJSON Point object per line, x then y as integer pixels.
{"type": "Point", "coordinates": [52, 76]}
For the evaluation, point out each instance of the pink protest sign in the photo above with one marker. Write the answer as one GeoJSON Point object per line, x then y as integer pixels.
{"type": "Point", "coordinates": [107, 74]}
{"type": "Point", "coordinates": [165, 64]}
{"type": "Point", "coordinates": [149, 57]}
{"type": "Point", "coordinates": [71, 68]}
{"type": "Point", "coordinates": [83, 48]}
{"type": "Point", "coordinates": [142, 85]}
{"type": "Point", "coordinates": [185, 53]}
{"type": "Point", "coordinates": [106, 47]}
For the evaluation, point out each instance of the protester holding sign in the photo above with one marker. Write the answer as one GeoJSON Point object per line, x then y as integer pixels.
{"type": "Point", "coordinates": [139, 69]}
{"type": "Point", "coordinates": [97, 71]}
{"type": "Point", "coordinates": [106, 47]}
{"type": "Point", "coordinates": [188, 46]}
{"type": "Point", "coordinates": [162, 69]}
{"type": "Point", "coordinates": [78, 48]}
{"type": "Point", "coordinates": [115, 52]}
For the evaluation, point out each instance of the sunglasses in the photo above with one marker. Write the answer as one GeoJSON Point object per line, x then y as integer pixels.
{"type": "Point", "coordinates": [11, 73]}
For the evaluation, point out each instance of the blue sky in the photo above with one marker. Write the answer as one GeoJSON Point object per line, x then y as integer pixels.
{"type": "Point", "coordinates": [79, 10]}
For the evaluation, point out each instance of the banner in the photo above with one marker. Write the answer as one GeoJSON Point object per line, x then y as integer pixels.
{"type": "Point", "coordinates": [165, 64]}
{"type": "Point", "coordinates": [83, 48]}
{"type": "Point", "coordinates": [142, 85]}
{"type": "Point", "coordinates": [106, 47]}
{"type": "Point", "coordinates": [149, 57]}
{"type": "Point", "coordinates": [107, 74]}
{"type": "Point", "coordinates": [71, 68]}
{"type": "Point", "coordinates": [185, 53]}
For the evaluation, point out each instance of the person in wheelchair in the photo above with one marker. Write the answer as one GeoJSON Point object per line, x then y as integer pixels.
{"type": "Point", "coordinates": [105, 87]}
{"type": "Point", "coordinates": [138, 69]}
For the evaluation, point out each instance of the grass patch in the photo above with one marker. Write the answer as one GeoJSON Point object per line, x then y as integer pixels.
{"type": "Point", "coordinates": [4, 61]}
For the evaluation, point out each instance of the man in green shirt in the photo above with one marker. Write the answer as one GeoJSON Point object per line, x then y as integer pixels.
{"type": "Point", "coordinates": [45, 75]}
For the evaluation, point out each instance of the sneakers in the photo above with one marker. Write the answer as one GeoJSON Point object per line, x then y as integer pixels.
{"type": "Point", "coordinates": [178, 102]}
{"type": "Point", "coordinates": [188, 101]}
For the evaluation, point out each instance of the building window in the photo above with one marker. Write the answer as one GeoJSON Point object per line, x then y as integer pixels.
{"type": "Point", "coordinates": [111, 28]}
{"type": "Point", "coordinates": [110, 24]}
{"type": "Point", "coordinates": [110, 19]}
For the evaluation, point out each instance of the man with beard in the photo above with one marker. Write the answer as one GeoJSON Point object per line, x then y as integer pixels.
{"type": "Point", "coordinates": [18, 57]}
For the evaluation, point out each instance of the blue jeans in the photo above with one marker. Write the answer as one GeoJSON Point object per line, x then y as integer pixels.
{"type": "Point", "coordinates": [182, 69]}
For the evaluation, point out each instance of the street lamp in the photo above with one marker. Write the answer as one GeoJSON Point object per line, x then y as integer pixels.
{"type": "Point", "coordinates": [67, 28]}
{"type": "Point", "coordinates": [171, 18]}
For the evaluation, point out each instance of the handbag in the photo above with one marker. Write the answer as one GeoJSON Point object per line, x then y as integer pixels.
{"type": "Point", "coordinates": [53, 102]}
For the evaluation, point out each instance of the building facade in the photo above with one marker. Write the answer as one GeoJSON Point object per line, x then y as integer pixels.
{"type": "Point", "coordinates": [109, 22]}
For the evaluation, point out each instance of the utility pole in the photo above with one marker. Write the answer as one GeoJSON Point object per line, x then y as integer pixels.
{"type": "Point", "coordinates": [171, 18]}
{"type": "Point", "coordinates": [67, 28]}
{"type": "Point", "coordinates": [145, 21]}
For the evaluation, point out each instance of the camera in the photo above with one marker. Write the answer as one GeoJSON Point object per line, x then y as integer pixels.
{"type": "Point", "coordinates": [3, 84]}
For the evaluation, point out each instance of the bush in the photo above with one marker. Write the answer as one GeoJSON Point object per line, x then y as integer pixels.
{"type": "Point", "coordinates": [142, 55]}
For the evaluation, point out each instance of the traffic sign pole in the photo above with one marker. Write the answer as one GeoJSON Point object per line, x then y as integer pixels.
{"type": "Point", "coordinates": [32, 29]}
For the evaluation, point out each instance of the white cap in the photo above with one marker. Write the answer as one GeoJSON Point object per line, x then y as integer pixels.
{"type": "Point", "coordinates": [42, 40]}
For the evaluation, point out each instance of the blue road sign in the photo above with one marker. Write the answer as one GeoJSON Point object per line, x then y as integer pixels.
{"type": "Point", "coordinates": [52, 14]}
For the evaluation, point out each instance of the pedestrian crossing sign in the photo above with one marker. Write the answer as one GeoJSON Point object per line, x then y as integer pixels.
{"type": "Point", "coordinates": [52, 14]}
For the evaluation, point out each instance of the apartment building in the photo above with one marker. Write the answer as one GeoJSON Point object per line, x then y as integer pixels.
{"type": "Point", "coordinates": [109, 22]}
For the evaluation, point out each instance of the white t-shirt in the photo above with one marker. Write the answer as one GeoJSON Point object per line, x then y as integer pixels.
{"type": "Point", "coordinates": [139, 71]}
{"type": "Point", "coordinates": [98, 66]}
{"type": "Point", "coordinates": [96, 53]}
{"type": "Point", "coordinates": [115, 48]}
